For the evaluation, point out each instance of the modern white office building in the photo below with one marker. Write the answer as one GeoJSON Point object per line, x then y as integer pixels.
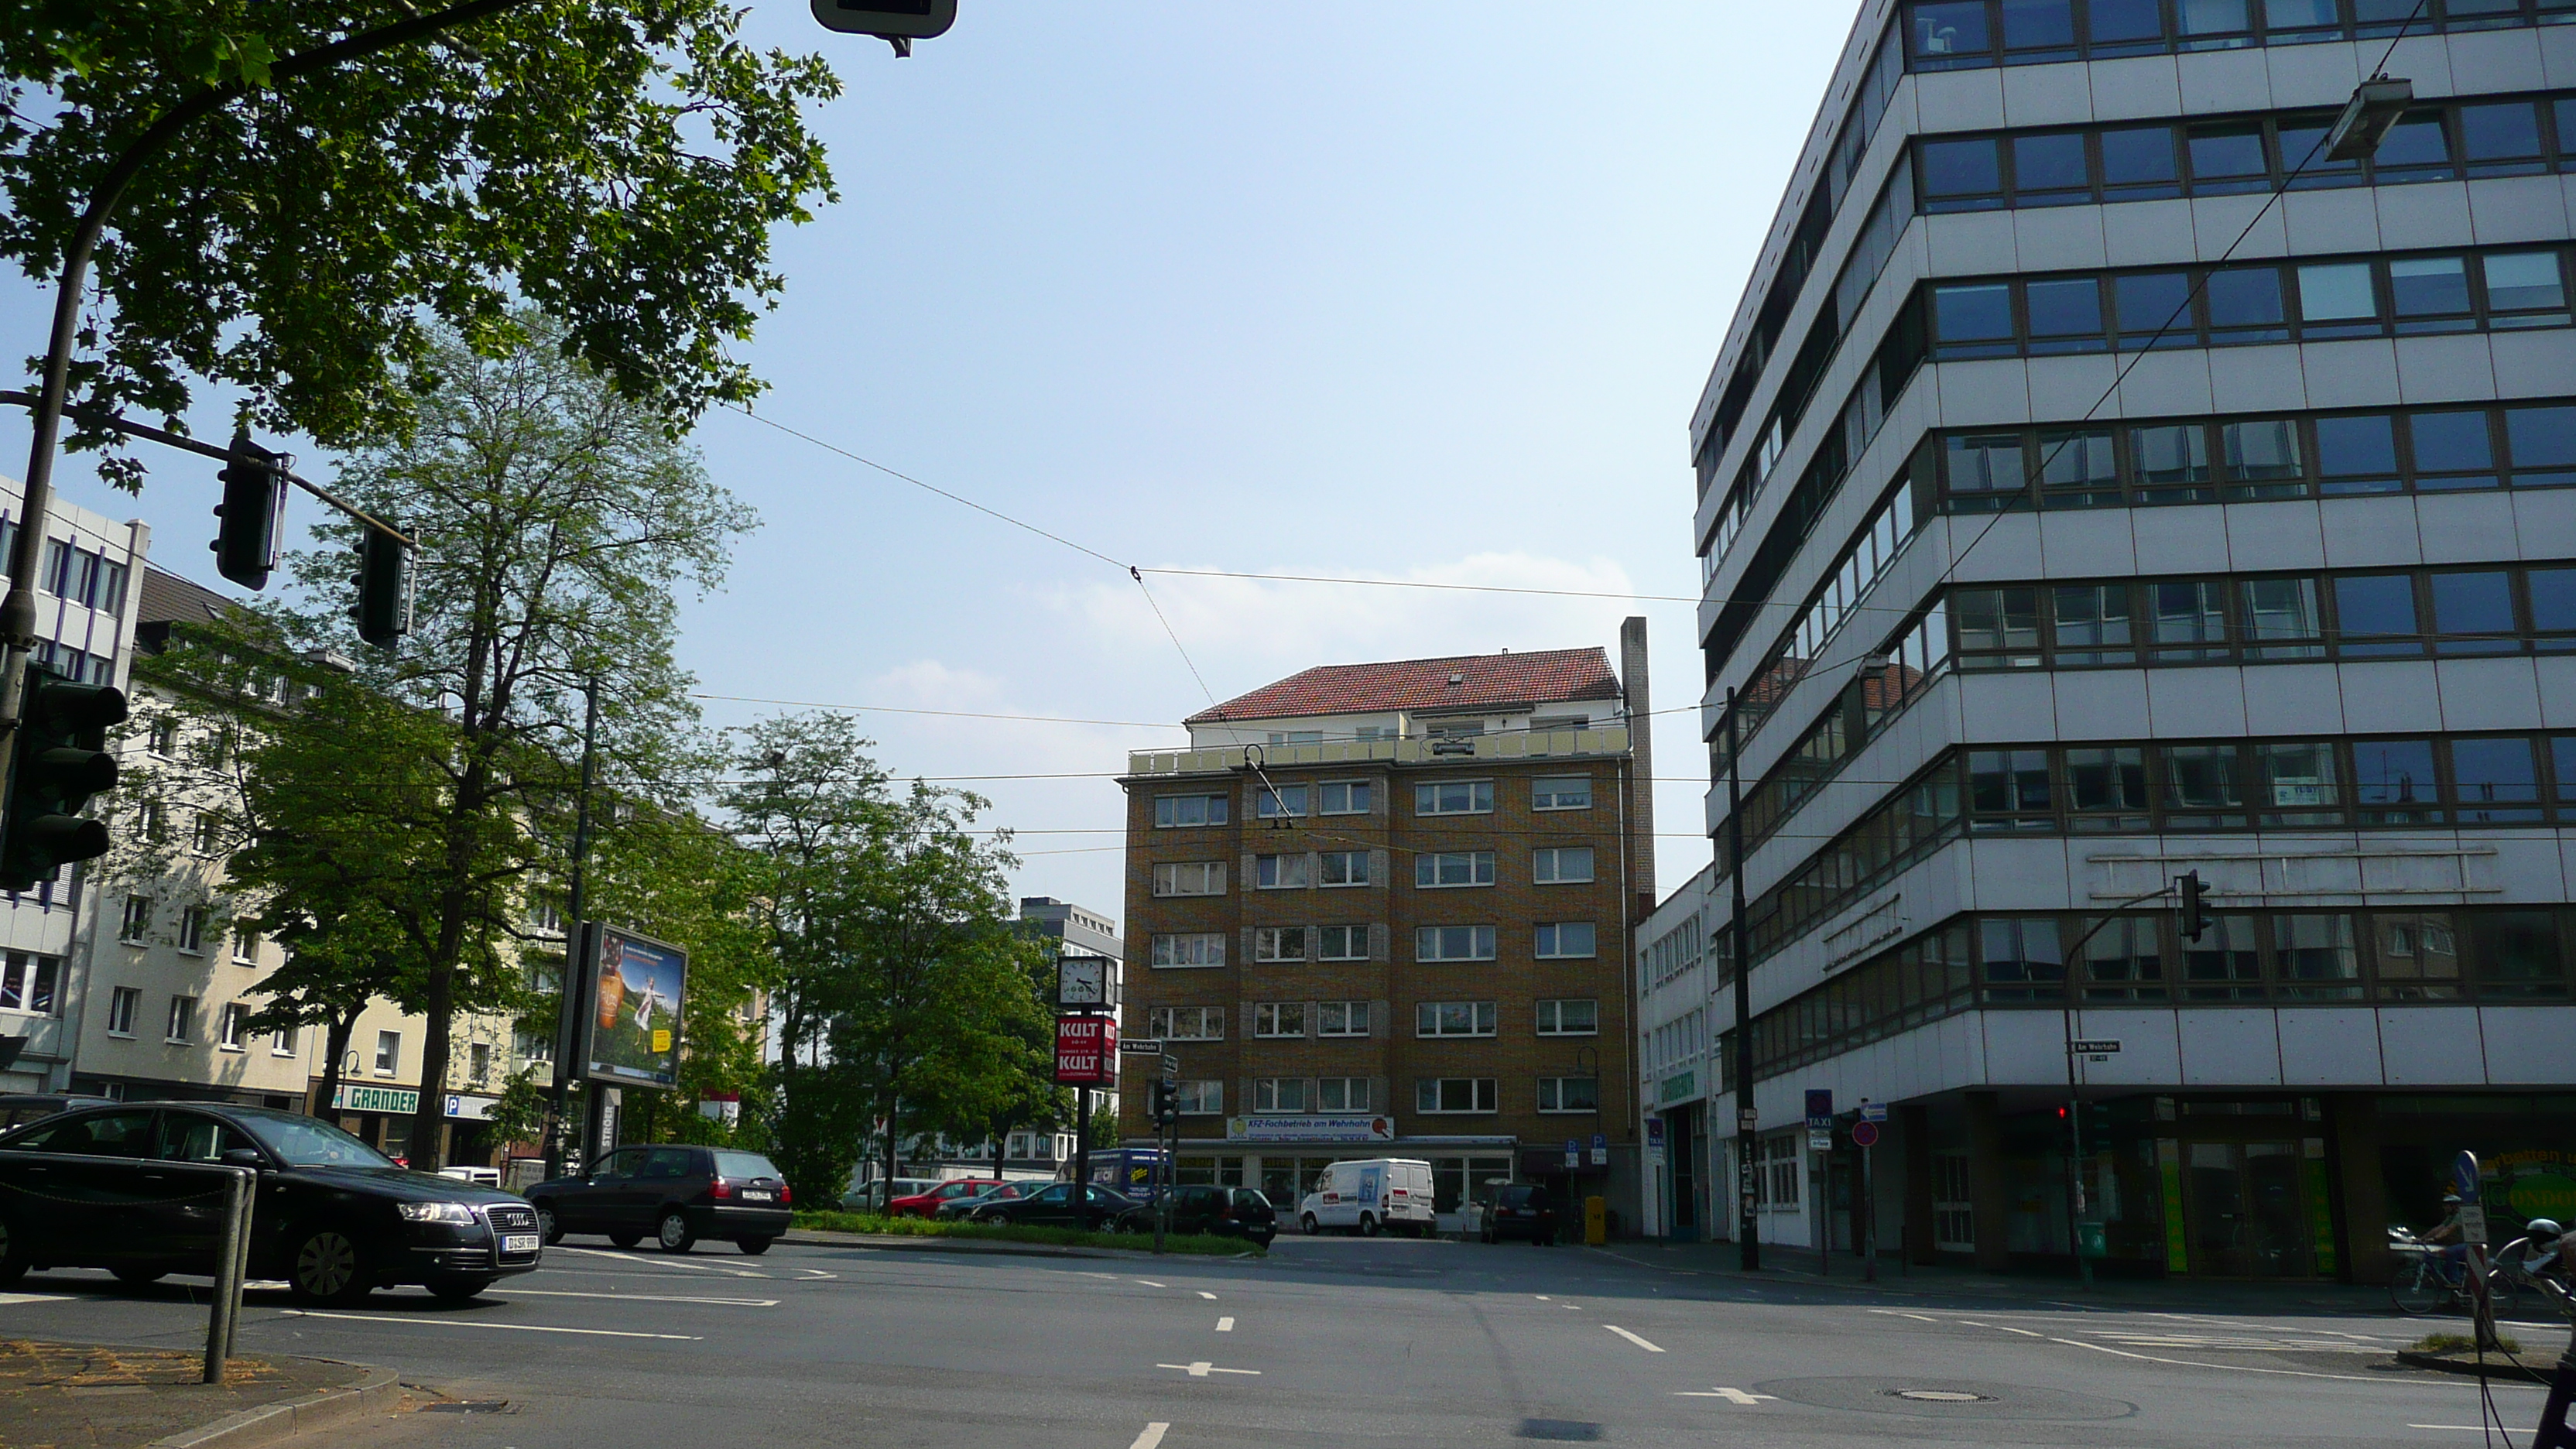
{"type": "Point", "coordinates": [2099, 483]}
{"type": "Point", "coordinates": [86, 596]}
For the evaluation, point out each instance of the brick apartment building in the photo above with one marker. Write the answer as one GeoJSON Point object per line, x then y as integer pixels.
{"type": "Point", "coordinates": [1383, 910]}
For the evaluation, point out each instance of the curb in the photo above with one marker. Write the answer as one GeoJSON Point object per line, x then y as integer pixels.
{"type": "Point", "coordinates": [2508, 1370]}
{"type": "Point", "coordinates": [376, 1389]}
{"type": "Point", "coordinates": [909, 1243]}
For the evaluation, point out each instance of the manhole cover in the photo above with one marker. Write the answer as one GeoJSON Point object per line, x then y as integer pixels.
{"type": "Point", "coordinates": [1945, 1399]}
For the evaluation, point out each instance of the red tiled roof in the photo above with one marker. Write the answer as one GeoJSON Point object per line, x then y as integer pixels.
{"type": "Point", "coordinates": [1546, 676]}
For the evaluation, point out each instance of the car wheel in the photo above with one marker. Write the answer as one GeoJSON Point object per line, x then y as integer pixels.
{"type": "Point", "coordinates": [752, 1247]}
{"type": "Point", "coordinates": [134, 1277]}
{"type": "Point", "coordinates": [13, 1261]}
{"type": "Point", "coordinates": [326, 1267]}
{"type": "Point", "coordinates": [624, 1240]}
{"type": "Point", "coordinates": [1309, 1224]}
{"type": "Point", "coordinates": [674, 1235]}
{"type": "Point", "coordinates": [463, 1289]}
{"type": "Point", "coordinates": [547, 1228]}
{"type": "Point", "coordinates": [1368, 1225]}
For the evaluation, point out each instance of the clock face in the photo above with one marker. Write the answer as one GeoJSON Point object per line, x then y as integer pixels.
{"type": "Point", "coordinates": [1081, 981]}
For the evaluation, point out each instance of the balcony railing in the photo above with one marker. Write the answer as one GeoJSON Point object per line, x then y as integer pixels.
{"type": "Point", "coordinates": [1437, 750]}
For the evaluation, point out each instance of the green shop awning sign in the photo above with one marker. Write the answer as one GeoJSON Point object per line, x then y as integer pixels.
{"type": "Point", "coordinates": [1678, 1086]}
{"type": "Point", "coordinates": [400, 1101]}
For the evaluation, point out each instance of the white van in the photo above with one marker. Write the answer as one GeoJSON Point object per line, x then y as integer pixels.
{"type": "Point", "coordinates": [1378, 1194]}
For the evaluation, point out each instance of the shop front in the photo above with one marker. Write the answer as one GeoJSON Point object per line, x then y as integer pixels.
{"type": "Point", "coordinates": [382, 1116]}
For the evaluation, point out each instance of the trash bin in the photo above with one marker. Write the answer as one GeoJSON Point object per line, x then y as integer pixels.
{"type": "Point", "coordinates": [1596, 1221]}
{"type": "Point", "coordinates": [2091, 1241]}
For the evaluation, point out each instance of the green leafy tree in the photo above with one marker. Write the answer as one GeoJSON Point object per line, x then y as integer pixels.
{"type": "Point", "coordinates": [616, 166]}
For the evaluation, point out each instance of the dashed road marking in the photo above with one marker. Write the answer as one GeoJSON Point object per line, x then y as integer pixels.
{"type": "Point", "coordinates": [1203, 1368]}
{"type": "Point", "coordinates": [421, 1322]}
{"type": "Point", "coordinates": [664, 1261]}
{"type": "Point", "coordinates": [1632, 1338]}
{"type": "Point", "coordinates": [6, 1298]}
{"type": "Point", "coordinates": [1150, 1283]}
{"type": "Point", "coordinates": [507, 1293]}
{"type": "Point", "coordinates": [1225, 1325]}
{"type": "Point", "coordinates": [1203, 1293]}
{"type": "Point", "coordinates": [1732, 1396]}
{"type": "Point", "coordinates": [1151, 1438]}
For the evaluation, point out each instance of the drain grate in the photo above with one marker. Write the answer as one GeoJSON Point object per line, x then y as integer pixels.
{"type": "Point", "coordinates": [1562, 1431]}
{"type": "Point", "coordinates": [1939, 1396]}
{"type": "Point", "coordinates": [468, 1406]}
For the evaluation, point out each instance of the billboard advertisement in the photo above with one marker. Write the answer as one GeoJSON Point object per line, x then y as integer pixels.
{"type": "Point", "coordinates": [635, 1010]}
{"type": "Point", "coordinates": [1086, 1051]}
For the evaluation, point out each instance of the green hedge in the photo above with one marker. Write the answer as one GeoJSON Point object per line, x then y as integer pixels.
{"type": "Point", "coordinates": [843, 1222]}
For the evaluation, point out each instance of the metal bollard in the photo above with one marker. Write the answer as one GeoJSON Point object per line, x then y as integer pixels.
{"type": "Point", "coordinates": [229, 1264]}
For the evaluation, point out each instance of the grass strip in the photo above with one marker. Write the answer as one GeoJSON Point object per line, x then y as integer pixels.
{"type": "Point", "coordinates": [1204, 1244]}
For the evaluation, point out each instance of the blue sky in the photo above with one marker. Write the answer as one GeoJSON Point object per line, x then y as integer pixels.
{"type": "Point", "coordinates": [1420, 291]}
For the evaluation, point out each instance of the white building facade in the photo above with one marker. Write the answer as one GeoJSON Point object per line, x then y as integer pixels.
{"type": "Point", "coordinates": [86, 597]}
{"type": "Point", "coordinates": [2098, 484]}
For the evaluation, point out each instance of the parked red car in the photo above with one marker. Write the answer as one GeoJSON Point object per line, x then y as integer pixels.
{"type": "Point", "coordinates": [926, 1204]}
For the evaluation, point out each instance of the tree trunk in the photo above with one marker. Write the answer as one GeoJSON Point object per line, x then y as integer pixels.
{"type": "Point", "coordinates": [335, 1048]}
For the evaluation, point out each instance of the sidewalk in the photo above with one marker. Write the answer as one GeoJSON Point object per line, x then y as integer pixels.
{"type": "Point", "coordinates": [1788, 1265]}
{"type": "Point", "coordinates": [101, 1396]}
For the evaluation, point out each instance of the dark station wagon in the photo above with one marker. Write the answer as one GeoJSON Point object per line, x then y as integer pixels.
{"type": "Point", "coordinates": [675, 1194]}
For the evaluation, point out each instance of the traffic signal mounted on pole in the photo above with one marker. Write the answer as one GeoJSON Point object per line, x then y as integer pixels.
{"type": "Point", "coordinates": [384, 585]}
{"type": "Point", "coordinates": [253, 514]}
{"type": "Point", "coordinates": [1167, 1102]}
{"type": "Point", "coordinates": [60, 760]}
{"type": "Point", "coordinates": [2195, 906]}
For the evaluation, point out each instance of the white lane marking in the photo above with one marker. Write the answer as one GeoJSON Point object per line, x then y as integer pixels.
{"type": "Point", "coordinates": [1150, 1283]}
{"type": "Point", "coordinates": [1151, 1438]}
{"type": "Point", "coordinates": [2464, 1428]}
{"type": "Point", "coordinates": [2024, 1332]}
{"type": "Point", "coordinates": [634, 1297]}
{"type": "Point", "coordinates": [1203, 1293]}
{"type": "Point", "coordinates": [422, 1322]}
{"type": "Point", "coordinates": [1225, 1325]}
{"type": "Point", "coordinates": [1087, 1273]}
{"type": "Point", "coordinates": [1632, 1338]}
{"type": "Point", "coordinates": [1571, 1307]}
{"type": "Point", "coordinates": [1541, 1297]}
{"type": "Point", "coordinates": [817, 1273]}
{"type": "Point", "coordinates": [663, 1261]}
{"type": "Point", "coordinates": [1732, 1396]}
{"type": "Point", "coordinates": [35, 1298]}
{"type": "Point", "coordinates": [1203, 1368]}
{"type": "Point", "coordinates": [2229, 1367]}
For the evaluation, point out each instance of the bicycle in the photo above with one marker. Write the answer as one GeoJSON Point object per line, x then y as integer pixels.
{"type": "Point", "coordinates": [2427, 1279]}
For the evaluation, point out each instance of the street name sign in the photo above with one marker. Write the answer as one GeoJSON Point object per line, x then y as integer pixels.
{"type": "Point", "coordinates": [1140, 1046]}
{"type": "Point", "coordinates": [2083, 1048]}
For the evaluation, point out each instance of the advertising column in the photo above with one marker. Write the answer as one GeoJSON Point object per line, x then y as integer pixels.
{"type": "Point", "coordinates": [631, 1030]}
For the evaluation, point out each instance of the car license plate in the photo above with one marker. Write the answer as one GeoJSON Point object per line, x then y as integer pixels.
{"type": "Point", "coordinates": [750, 1196]}
{"type": "Point", "coordinates": [518, 1242]}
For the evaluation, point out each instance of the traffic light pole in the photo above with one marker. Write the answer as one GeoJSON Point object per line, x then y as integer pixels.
{"type": "Point", "coordinates": [572, 996]}
{"type": "Point", "coordinates": [18, 607]}
{"type": "Point", "coordinates": [2073, 957]}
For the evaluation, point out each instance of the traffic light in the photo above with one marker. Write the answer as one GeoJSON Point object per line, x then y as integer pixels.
{"type": "Point", "coordinates": [1167, 1102]}
{"type": "Point", "coordinates": [2195, 907]}
{"type": "Point", "coordinates": [253, 514]}
{"type": "Point", "coordinates": [383, 610]}
{"type": "Point", "coordinates": [59, 760]}
{"type": "Point", "coordinates": [898, 22]}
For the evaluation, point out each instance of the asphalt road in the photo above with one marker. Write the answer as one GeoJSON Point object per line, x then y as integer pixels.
{"type": "Point", "coordinates": [1329, 1342]}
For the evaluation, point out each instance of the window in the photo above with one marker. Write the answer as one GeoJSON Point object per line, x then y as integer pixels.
{"type": "Point", "coordinates": [1285, 802]}
{"type": "Point", "coordinates": [388, 1053]}
{"type": "Point", "coordinates": [1345, 867]}
{"type": "Point", "coordinates": [1453, 1094]}
{"type": "Point", "coordinates": [1343, 797]}
{"type": "Point", "coordinates": [2245, 305]}
{"type": "Point", "coordinates": [1296, 737]}
{"type": "Point", "coordinates": [2065, 315]}
{"type": "Point", "coordinates": [1176, 811]}
{"type": "Point", "coordinates": [1195, 948]}
{"type": "Point", "coordinates": [1453, 1018]}
{"type": "Point", "coordinates": [2050, 170]}
{"type": "Point", "coordinates": [230, 1034]}
{"type": "Point", "coordinates": [1342, 1094]}
{"type": "Point", "coordinates": [284, 1043]}
{"type": "Point", "coordinates": [1202, 1098]}
{"type": "Point", "coordinates": [27, 983]}
{"type": "Point", "coordinates": [1960, 175]}
{"type": "Point", "coordinates": [1972, 319]}
{"type": "Point", "coordinates": [2337, 292]}
{"type": "Point", "coordinates": [206, 834]}
{"type": "Point", "coordinates": [1454, 797]}
{"type": "Point", "coordinates": [1564, 939]}
{"type": "Point", "coordinates": [136, 926]}
{"type": "Point", "coordinates": [192, 930]}
{"type": "Point", "coordinates": [1453, 943]}
{"type": "Point", "coordinates": [164, 738]}
{"type": "Point", "coordinates": [1279, 1094]}
{"type": "Point", "coordinates": [2524, 289]}
{"type": "Point", "coordinates": [1279, 1018]}
{"type": "Point", "coordinates": [2138, 162]}
{"type": "Point", "coordinates": [2153, 307]}
{"type": "Point", "coordinates": [245, 946]}
{"type": "Point", "coordinates": [2473, 612]}
{"type": "Point", "coordinates": [121, 1006]}
{"type": "Point", "coordinates": [1283, 872]}
{"type": "Point", "coordinates": [1341, 1018]}
{"type": "Point", "coordinates": [2227, 156]}
{"type": "Point", "coordinates": [183, 1019]}
{"type": "Point", "coordinates": [1190, 878]}
{"type": "Point", "coordinates": [1569, 1094]}
{"type": "Point", "coordinates": [1279, 943]}
{"type": "Point", "coordinates": [1569, 1016]}
{"type": "Point", "coordinates": [1186, 1023]}
{"type": "Point", "coordinates": [152, 821]}
{"type": "Point", "coordinates": [2495, 780]}
{"type": "Point", "coordinates": [2020, 960]}
{"type": "Point", "coordinates": [1341, 943]}
{"type": "Point", "coordinates": [1561, 792]}
{"type": "Point", "coordinates": [1561, 864]}
{"type": "Point", "coordinates": [1441, 869]}
{"type": "Point", "coordinates": [1782, 1170]}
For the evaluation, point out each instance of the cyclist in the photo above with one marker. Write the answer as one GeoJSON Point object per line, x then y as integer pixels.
{"type": "Point", "coordinates": [2455, 1249]}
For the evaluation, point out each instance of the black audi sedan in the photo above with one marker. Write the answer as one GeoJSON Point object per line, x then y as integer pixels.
{"type": "Point", "coordinates": [677, 1192]}
{"type": "Point", "coordinates": [108, 1187]}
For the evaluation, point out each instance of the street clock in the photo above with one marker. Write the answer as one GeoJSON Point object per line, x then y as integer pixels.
{"type": "Point", "coordinates": [1085, 982]}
